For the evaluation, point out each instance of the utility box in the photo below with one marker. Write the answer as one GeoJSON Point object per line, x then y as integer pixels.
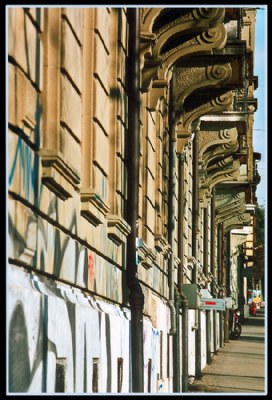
{"type": "Point", "coordinates": [192, 293]}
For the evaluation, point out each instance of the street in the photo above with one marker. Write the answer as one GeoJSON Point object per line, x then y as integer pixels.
{"type": "Point", "coordinates": [241, 364]}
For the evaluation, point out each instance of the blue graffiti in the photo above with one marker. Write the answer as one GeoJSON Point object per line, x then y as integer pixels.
{"type": "Point", "coordinates": [28, 174]}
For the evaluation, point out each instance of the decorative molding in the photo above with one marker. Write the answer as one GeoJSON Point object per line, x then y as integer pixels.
{"type": "Point", "coordinates": [118, 229]}
{"type": "Point", "coordinates": [57, 175]}
{"type": "Point", "coordinates": [93, 207]}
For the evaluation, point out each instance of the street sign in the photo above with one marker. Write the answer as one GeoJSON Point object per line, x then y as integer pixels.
{"type": "Point", "coordinates": [212, 304]}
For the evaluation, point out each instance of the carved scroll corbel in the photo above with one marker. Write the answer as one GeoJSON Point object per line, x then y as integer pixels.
{"type": "Point", "coordinates": [216, 105]}
{"type": "Point", "coordinates": [209, 139]}
{"type": "Point", "coordinates": [237, 222]}
{"type": "Point", "coordinates": [191, 79]}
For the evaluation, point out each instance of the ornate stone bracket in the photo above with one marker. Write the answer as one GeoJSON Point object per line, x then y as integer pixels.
{"type": "Point", "coordinates": [232, 203]}
{"type": "Point", "coordinates": [57, 175]}
{"type": "Point", "coordinates": [208, 139]}
{"type": "Point", "coordinates": [155, 57]}
{"type": "Point", "coordinates": [219, 174]}
{"type": "Point", "coordinates": [217, 104]}
{"type": "Point", "coordinates": [93, 207]}
{"type": "Point", "coordinates": [192, 78]}
{"type": "Point", "coordinates": [219, 151]}
{"type": "Point", "coordinates": [237, 222]}
{"type": "Point", "coordinates": [118, 229]}
{"type": "Point", "coordinates": [190, 19]}
{"type": "Point", "coordinates": [205, 42]}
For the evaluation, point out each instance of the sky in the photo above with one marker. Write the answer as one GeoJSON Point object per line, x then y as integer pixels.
{"type": "Point", "coordinates": [260, 116]}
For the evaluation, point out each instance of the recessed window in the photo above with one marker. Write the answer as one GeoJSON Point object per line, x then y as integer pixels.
{"type": "Point", "coordinates": [119, 374]}
{"type": "Point", "coordinates": [149, 375]}
{"type": "Point", "coordinates": [60, 375]}
{"type": "Point", "coordinates": [95, 375]}
{"type": "Point", "coordinates": [161, 351]}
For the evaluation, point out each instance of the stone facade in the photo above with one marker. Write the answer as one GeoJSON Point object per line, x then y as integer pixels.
{"type": "Point", "coordinates": [69, 140]}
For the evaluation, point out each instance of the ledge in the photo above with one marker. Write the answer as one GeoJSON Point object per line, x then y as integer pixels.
{"type": "Point", "coordinates": [93, 207]}
{"type": "Point", "coordinates": [118, 229]}
{"type": "Point", "coordinates": [161, 245]}
{"type": "Point", "coordinates": [57, 175]}
{"type": "Point", "coordinates": [146, 255]}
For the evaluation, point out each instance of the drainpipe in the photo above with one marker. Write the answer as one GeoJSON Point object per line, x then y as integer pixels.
{"type": "Point", "coordinates": [176, 347]}
{"type": "Point", "coordinates": [195, 204]}
{"type": "Point", "coordinates": [220, 275]}
{"type": "Point", "coordinates": [171, 200]}
{"type": "Point", "coordinates": [206, 261]}
{"type": "Point", "coordinates": [136, 297]}
{"type": "Point", "coordinates": [195, 233]}
{"type": "Point", "coordinates": [213, 235]}
{"type": "Point", "coordinates": [227, 284]}
{"type": "Point", "coordinates": [184, 301]}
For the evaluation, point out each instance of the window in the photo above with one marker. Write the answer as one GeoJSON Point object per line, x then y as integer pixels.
{"type": "Point", "coordinates": [60, 375]}
{"type": "Point", "coordinates": [161, 355]}
{"type": "Point", "coordinates": [119, 374]}
{"type": "Point", "coordinates": [95, 375]}
{"type": "Point", "coordinates": [149, 375]}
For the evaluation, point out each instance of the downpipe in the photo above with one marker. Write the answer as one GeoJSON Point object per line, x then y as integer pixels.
{"type": "Point", "coordinates": [183, 299]}
{"type": "Point", "coordinates": [171, 200]}
{"type": "Point", "coordinates": [195, 233]}
{"type": "Point", "coordinates": [136, 297]}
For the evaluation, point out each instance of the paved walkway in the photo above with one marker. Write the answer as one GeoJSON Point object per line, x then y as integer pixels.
{"type": "Point", "coordinates": [240, 365]}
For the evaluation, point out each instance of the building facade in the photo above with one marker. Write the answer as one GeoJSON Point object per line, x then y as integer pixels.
{"type": "Point", "coordinates": [130, 163]}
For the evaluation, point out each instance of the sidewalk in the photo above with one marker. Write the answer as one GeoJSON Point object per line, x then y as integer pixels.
{"type": "Point", "coordinates": [240, 365]}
